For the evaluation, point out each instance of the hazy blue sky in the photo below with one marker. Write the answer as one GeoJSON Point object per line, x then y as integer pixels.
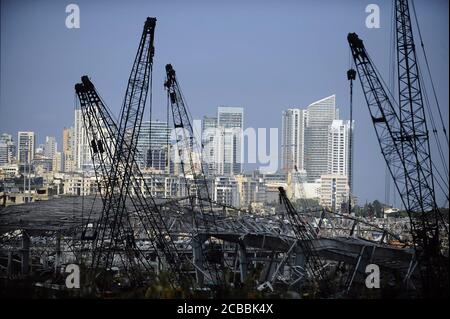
{"type": "Point", "coordinates": [266, 56]}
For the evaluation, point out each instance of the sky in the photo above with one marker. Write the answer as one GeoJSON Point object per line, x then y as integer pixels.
{"type": "Point", "coordinates": [265, 56]}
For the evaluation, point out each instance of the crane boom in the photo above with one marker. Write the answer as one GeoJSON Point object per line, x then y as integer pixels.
{"type": "Point", "coordinates": [186, 139]}
{"type": "Point", "coordinates": [187, 146]}
{"type": "Point", "coordinates": [398, 142]}
{"type": "Point", "coordinates": [130, 123]}
{"type": "Point", "coordinates": [123, 176]}
{"type": "Point", "coordinates": [144, 207]}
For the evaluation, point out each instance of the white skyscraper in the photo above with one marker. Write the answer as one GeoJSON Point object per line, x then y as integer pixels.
{"type": "Point", "coordinates": [338, 147]}
{"type": "Point", "coordinates": [320, 116]}
{"type": "Point", "coordinates": [293, 139]}
{"type": "Point", "coordinates": [26, 142]}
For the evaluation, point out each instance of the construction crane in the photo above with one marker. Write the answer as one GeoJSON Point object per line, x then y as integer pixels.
{"type": "Point", "coordinates": [403, 138]}
{"type": "Point", "coordinates": [96, 115]}
{"type": "Point", "coordinates": [101, 142]}
{"type": "Point", "coordinates": [129, 126]}
{"type": "Point", "coordinates": [118, 169]}
{"type": "Point", "coordinates": [187, 147]}
{"type": "Point", "coordinates": [305, 235]}
{"type": "Point", "coordinates": [186, 142]}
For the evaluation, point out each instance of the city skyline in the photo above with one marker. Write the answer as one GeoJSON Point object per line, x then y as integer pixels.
{"type": "Point", "coordinates": [339, 167]}
{"type": "Point", "coordinates": [197, 69]}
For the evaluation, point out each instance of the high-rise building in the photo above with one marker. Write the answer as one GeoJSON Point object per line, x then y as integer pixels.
{"type": "Point", "coordinates": [152, 144]}
{"type": "Point", "coordinates": [50, 147]}
{"type": "Point", "coordinates": [226, 152]}
{"type": "Point", "coordinates": [209, 122]}
{"type": "Point", "coordinates": [57, 162]}
{"type": "Point", "coordinates": [209, 140]}
{"type": "Point", "coordinates": [68, 153]}
{"type": "Point", "coordinates": [3, 154]}
{"type": "Point", "coordinates": [231, 122]}
{"type": "Point", "coordinates": [222, 138]}
{"type": "Point", "coordinates": [293, 140]}
{"type": "Point", "coordinates": [157, 159]}
{"type": "Point", "coordinates": [82, 155]}
{"type": "Point", "coordinates": [320, 116]}
{"type": "Point", "coordinates": [7, 149]}
{"type": "Point", "coordinates": [338, 147]}
{"type": "Point", "coordinates": [26, 142]}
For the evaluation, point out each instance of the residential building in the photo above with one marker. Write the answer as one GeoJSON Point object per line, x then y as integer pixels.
{"type": "Point", "coordinates": [80, 185]}
{"type": "Point", "coordinates": [68, 162]}
{"type": "Point", "coordinates": [50, 147]}
{"type": "Point", "coordinates": [4, 158]}
{"type": "Point", "coordinates": [225, 191]}
{"type": "Point", "coordinates": [57, 162]}
{"type": "Point", "coordinates": [333, 191]}
{"type": "Point", "coordinates": [252, 189]}
{"type": "Point", "coordinates": [320, 116]}
{"type": "Point", "coordinates": [338, 147]}
{"type": "Point", "coordinates": [7, 149]}
{"type": "Point", "coordinates": [209, 140]}
{"type": "Point", "coordinates": [81, 145]}
{"type": "Point", "coordinates": [293, 140]}
{"type": "Point", "coordinates": [26, 142]}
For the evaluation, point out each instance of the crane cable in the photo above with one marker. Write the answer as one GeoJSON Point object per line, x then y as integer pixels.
{"type": "Point", "coordinates": [430, 112]}
{"type": "Point", "coordinates": [391, 87]}
{"type": "Point", "coordinates": [429, 72]}
{"type": "Point", "coordinates": [390, 92]}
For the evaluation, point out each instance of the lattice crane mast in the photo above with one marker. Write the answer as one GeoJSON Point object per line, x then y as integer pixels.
{"type": "Point", "coordinates": [121, 173]}
{"type": "Point", "coordinates": [129, 126]}
{"type": "Point", "coordinates": [403, 139]}
{"type": "Point", "coordinates": [187, 147]}
{"type": "Point", "coordinates": [101, 142]}
{"type": "Point", "coordinates": [145, 208]}
{"type": "Point", "coordinates": [305, 234]}
{"type": "Point", "coordinates": [186, 143]}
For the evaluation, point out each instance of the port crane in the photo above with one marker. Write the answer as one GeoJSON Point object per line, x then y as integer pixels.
{"type": "Point", "coordinates": [113, 149]}
{"type": "Point", "coordinates": [403, 137]}
{"type": "Point", "coordinates": [128, 128]}
{"type": "Point", "coordinates": [186, 146]}
{"type": "Point", "coordinates": [97, 115]}
{"type": "Point", "coordinates": [186, 141]}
